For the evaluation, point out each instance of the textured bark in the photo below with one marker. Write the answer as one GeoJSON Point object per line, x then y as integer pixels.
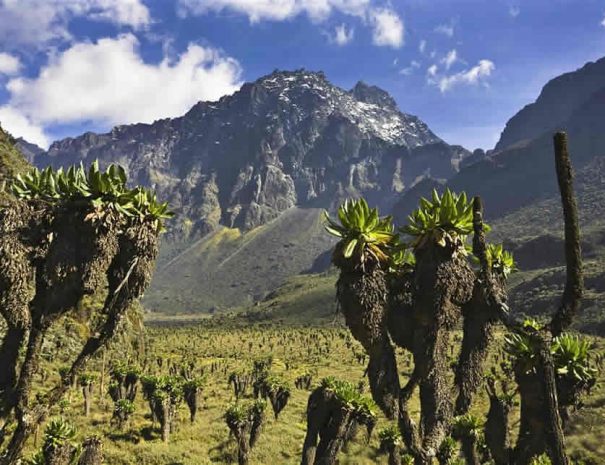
{"type": "Point", "coordinates": [256, 428]}
{"type": "Point", "coordinates": [399, 315]}
{"type": "Point", "coordinates": [443, 284]}
{"type": "Point", "coordinates": [469, 449]}
{"type": "Point", "coordinates": [60, 455]}
{"type": "Point", "coordinates": [531, 441]}
{"type": "Point", "coordinates": [333, 436]}
{"type": "Point", "coordinates": [330, 421]}
{"type": "Point", "coordinates": [243, 446]}
{"type": "Point", "coordinates": [60, 284]}
{"type": "Point", "coordinates": [279, 399]}
{"type": "Point", "coordinates": [497, 435]}
{"type": "Point", "coordinates": [478, 329]}
{"type": "Point", "coordinates": [317, 415]}
{"type": "Point", "coordinates": [574, 283]}
{"type": "Point", "coordinates": [87, 393]}
{"type": "Point", "coordinates": [192, 397]}
{"type": "Point", "coordinates": [555, 440]}
{"type": "Point", "coordinates": [9, 354]}
{"type": "Point", "coordinates": [92, 453]}
{"type": "Point", "coordinates": [362, 296]}
{"type": "Point", "coordinates": [395, 456]}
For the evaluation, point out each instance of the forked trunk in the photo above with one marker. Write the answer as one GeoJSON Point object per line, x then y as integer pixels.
{"type": "Point", "coordinates": [478, 330]}
{"type": "Point", "coordinates": [362, 296]}
{"type": "Point", "coordinates": [332, 437]}
{"type": "Point", "coordinates": [443, 284]}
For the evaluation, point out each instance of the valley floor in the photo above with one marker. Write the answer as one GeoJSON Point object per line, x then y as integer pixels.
{"type": "Point", "coordinates": [218, 351]}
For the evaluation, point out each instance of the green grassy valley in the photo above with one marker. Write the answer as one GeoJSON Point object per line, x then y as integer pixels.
{"type": "Point", "coordinates": [222, 347]}
{"type": "Point", "coordinates": [227, 267]}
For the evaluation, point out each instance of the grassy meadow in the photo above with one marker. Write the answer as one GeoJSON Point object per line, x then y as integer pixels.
{"type": "Point", "coordinates": [218, 348]}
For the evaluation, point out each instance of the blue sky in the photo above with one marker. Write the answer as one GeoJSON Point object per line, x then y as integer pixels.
{"type": "Point", "coordinates": [463, 66]}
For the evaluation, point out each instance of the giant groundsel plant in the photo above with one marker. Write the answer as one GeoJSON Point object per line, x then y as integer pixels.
{"type": "Point", "coordinates": [66, 234]}
{"type": "Point", "coordinates": [390, 296]}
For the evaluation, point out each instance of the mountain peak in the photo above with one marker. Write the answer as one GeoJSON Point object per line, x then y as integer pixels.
{"type": "Point", "coordinates": [372, 94]}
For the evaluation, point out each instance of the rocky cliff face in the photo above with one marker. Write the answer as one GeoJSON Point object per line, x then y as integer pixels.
{"type": "Point", "coordinates": [288, 139]}
{"type": "Point", "coordinates": [559, 100]}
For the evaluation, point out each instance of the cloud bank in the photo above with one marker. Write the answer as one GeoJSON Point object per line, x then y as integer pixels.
{"type": "Point", "coordinates": [109, 83]}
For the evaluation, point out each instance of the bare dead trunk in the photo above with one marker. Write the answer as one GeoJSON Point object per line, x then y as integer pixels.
{"type": "Point", "coordinates": [87, 393]}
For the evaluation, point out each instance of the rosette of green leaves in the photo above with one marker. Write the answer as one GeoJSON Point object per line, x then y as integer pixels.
{"type": "Point", "coordinates": [348, 394]}
{"type": "Point", "coordinates": [237, 414]}
{"type": "Point", "coordinates": [86, 379]}
{"type": "Point", "coordinates": [571, 357]}
{"type": "Point", "coordinates": [522, 347]}
{"type": "Point", "coordinates": [124, 407]}
{"type": "Point", "coordinates": [390, 436]}
{"type": "Point", "coordinates": [500, 261]}
{"type": "Point", "coordinates": [443, 220]}
{"type": "Point", "coordinates": [401, 258]}
{"type": "Point", "coordinates": [104, 190]}
{"type": "Point", "coordinates": [467, 425]}
{"type": "Point", "coordinates": [58, 432]}
{"type": "Point", "coordinates": [363, 233]}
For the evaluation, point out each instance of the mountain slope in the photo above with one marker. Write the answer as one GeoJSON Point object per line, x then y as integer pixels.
{"type": "Point", "coordinates": [279, 149]}
{"type": "Point", "coordinates": [290, 138]}
{"type": "Point", "coordinates": [229, 268]}
{"type": "Point", "coordinates": [519, 189]}
{"type": "Point", "coordinates": [557, 102]}
{"type": "Point", "coordinates": [11, 160]}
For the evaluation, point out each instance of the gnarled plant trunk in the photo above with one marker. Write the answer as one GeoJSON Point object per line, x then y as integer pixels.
{"type": "Point", "coordinates": [496, 430]}
{"type": "Point", "coordinates": [443, 284]}
{"type": "Point", "coordinates": [362, 296]}
{"type": "Point", "coordinates": [92, 453]}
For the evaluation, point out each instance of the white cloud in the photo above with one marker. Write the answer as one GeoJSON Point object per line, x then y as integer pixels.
{"type": "Point", "coordinates": [38, 22]}
{"type": "Point", "coordinates": [274, 10]}
{"type": "Point", "coordinates": [422, 46]}
{"type": "Point", "coordinates": [514, 11]}
{"type": "Point", "coordinates": [342, 35]}
{"type": "Point", "coordinates": [20, 125]}
{"type": "Point", "coordinates": [9, 64]}
{"type": "Point", "coordinates": [432, 70]}
{"type": "Point", "coordinates": [388, 28]}
{"type": "Point", "coordinates": [603, 22]}
{"type": "Point", "coordinates": [108, 82]}
{"type": "Point", "coordinates": [408, 70]}
{"type": "Point", "coordinates": [445, 29]}
{"type": "Point", "coordinates": [473, 76]}
{"type": "Point", "coordinates": [449, 59]}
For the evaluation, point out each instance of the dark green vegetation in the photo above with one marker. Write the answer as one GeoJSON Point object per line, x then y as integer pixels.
{"type": "Point", "coordinates": [532, 233]}
{"type": "Point", "coordinates": [423, 304]}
